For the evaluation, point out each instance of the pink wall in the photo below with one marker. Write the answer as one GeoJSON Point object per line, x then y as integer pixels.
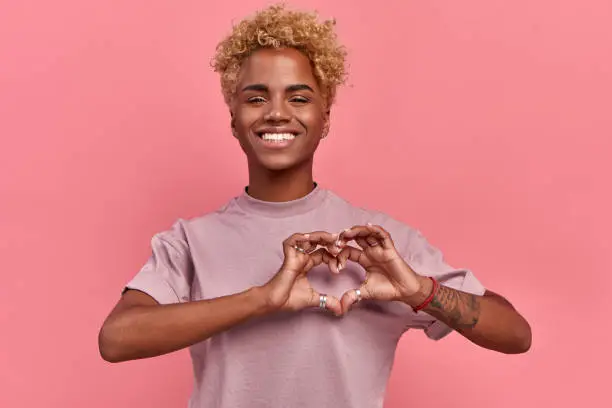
{"type": "Point", "coordinates": [488, 124]}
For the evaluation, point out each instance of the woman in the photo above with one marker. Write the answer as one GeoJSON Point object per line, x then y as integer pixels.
{"type": "Point", "coordinates": [315, 321]}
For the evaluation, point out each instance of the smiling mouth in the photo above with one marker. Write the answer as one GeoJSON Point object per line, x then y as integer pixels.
{"type": "Point", "coordinates": [276, 137]}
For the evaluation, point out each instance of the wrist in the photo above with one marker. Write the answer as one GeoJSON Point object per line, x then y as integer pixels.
{"type": "Point", "coordinates": [260, 299]}
{"type": "Point", "coordinates": [426, 286]}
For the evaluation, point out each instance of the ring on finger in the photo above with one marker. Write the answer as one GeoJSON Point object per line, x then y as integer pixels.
{"type": "Point", "coordinates": [323, 301]}
{"type": "Point", "coordinates": [297, 248]}
{"type": "Point", "coordinates": [358, 294]}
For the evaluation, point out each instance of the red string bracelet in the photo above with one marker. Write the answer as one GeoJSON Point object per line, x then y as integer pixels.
{"type": "Point", "coordinates": [430, 297]}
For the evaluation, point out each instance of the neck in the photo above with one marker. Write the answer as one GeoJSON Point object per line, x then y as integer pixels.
{"type": "Point", "coordinates": [280, 186]}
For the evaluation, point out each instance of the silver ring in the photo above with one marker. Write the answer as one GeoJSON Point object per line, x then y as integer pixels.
{"type": "Point", "coordinates": [323, 301]}
{"type": "Point", "coordinates": [297, 248]}
{"type": "Point", "coordinates": [358, 293]}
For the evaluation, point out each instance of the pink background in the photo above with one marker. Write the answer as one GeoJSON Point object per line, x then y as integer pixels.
{"type": "Point", "coordinates": [486, 124]}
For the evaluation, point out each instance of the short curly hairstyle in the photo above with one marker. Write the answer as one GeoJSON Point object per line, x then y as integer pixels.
{"type": "Point", "coordinates": [277, 27]}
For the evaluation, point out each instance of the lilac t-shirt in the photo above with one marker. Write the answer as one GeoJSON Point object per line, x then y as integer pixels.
{"type": "Point", "coordinates": [304, 359]}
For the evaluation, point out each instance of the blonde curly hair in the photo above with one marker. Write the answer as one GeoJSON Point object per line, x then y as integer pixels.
{"type": "Point", "coordinates": [277, 27]}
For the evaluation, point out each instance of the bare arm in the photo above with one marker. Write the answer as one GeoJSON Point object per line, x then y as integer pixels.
{"type": "Point", "coordinates": [489, 321]}
{"type": "Point", "coordinates": [139, 327]}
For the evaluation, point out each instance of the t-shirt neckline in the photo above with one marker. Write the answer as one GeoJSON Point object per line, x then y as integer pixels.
{"type": "Point", "coordinates": [282, 209]}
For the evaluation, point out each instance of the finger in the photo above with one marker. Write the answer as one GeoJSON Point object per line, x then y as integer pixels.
{"type": "Point", "coordinates": [318, 257]}
{"type": "Point", "coordinates": [342, 241]}
{"type": "Point", "coordinates": [363, 235]}
{"type": "Point", "coordinates": [330, 259]}
{"type": "Point", "coordinates": [382, 235]}
{"type": "Point", "coordinates": [302, 243]}
{"type": "Point", "coordinates": [332, 304]}
{"type": "Point", "coordinates": [334, 265]}
{"type": "Point", "coordinates": [344, 256]}
{"type": "Point", "coordinates": [362, 242]}
{"type": "Point", "coordinates": [353, 254]}
{"type": "Point", "coordinates": [335, 245]}
{"type": "Point", "coordinates": [294, 241]}
{"type": "Point", "coordinates": [322, 238]}
{"type": "Point", "coordinates": [351, 297]}
{"type": "Point", "coordinates": [368, 235]}
{"type": "Point", "coordinates": [354, 232]}
{"type": "Point", "coordinates": [372, 241]}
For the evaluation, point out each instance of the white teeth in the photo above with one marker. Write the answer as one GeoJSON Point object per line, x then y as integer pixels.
{"type": "Point", "coordinates": [277, 136]}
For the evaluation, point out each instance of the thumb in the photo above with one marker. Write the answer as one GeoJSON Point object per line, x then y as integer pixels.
{"type": "Point", "coordinates": [331, 303]}
{"type": "Point", "coordinates": [351, 297]}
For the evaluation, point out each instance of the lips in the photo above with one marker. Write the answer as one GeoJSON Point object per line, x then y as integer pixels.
{"type": "Point", "coordinates": [276, 131]}
{"type": "Point", "coordinates": [276, 138]}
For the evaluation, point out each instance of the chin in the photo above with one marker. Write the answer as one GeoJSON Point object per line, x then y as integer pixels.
{"type": "Point", "coordinates": [280, 163]}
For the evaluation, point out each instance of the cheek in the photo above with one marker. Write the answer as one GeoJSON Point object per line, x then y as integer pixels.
{"type": "Point", "coordinates": [245, 118]}
{"type": "Point", "coordinates": [312, 119]}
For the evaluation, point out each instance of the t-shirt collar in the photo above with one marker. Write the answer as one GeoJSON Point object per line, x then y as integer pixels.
{"type": "Point", "coordinates": [285, 208]}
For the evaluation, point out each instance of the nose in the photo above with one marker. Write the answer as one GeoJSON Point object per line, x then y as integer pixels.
{"type": "Point", "coordinates": [277, 112]}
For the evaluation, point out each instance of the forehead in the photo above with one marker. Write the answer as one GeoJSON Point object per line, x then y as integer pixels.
{"type": "Point", "coordinates": [278, 67]}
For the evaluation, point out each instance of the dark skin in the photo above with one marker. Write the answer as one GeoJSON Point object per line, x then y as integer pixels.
{"type": "Point", "coordinates": [277, 89]}
{"type": "Point", "coordinates": [489, 321]}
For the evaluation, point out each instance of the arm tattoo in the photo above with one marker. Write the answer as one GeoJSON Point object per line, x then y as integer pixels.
{"type": "Point", "coordinates": [459, 309]}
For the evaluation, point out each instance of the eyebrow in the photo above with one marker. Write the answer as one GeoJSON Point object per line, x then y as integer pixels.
{"type": "Point", "coordinates": [290, 88]}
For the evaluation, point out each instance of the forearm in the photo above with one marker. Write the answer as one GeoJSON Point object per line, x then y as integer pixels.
{"type": "Point", "coordinates": [487, 321]}
{"type": "Point", "coordinates": [143, 331]}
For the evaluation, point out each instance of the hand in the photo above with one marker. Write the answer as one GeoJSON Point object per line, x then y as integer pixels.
{"type": "Point", "coordinates": [289, 289]}
{"type": "Point", "coordinates": [388, 276]}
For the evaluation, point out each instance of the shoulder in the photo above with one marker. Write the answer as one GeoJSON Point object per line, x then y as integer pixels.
{"type": "Point", "coordinates": [185, 229]}
{"type": "Point", "coordinates": [400, 231]}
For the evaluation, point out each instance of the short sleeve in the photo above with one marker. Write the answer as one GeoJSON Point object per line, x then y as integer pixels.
{"type": "Point", "coordinates": [168, 273]}
{"type": "Point", "coordinates": [427, 260]}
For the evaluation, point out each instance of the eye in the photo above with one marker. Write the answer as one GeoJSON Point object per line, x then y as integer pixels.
{"type": "Point", "coordinates": [256, 100]}
{"type": "Point", "coordinates": [299, 99]}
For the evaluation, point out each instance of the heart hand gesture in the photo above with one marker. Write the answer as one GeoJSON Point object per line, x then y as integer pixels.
{"type": "Point", "coordinates": [289, 289]}
{"type": "Point", "coordinates": [388, 276]}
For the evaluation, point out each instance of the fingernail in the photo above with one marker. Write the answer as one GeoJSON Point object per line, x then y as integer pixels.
{"type": "Point", "coordinates": [306, 235]}
{"type": "Point", "coordinates": [369, 224]}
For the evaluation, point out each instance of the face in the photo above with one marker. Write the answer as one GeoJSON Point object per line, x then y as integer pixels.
{"type": "Point", "coordinates": [278, 112]}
